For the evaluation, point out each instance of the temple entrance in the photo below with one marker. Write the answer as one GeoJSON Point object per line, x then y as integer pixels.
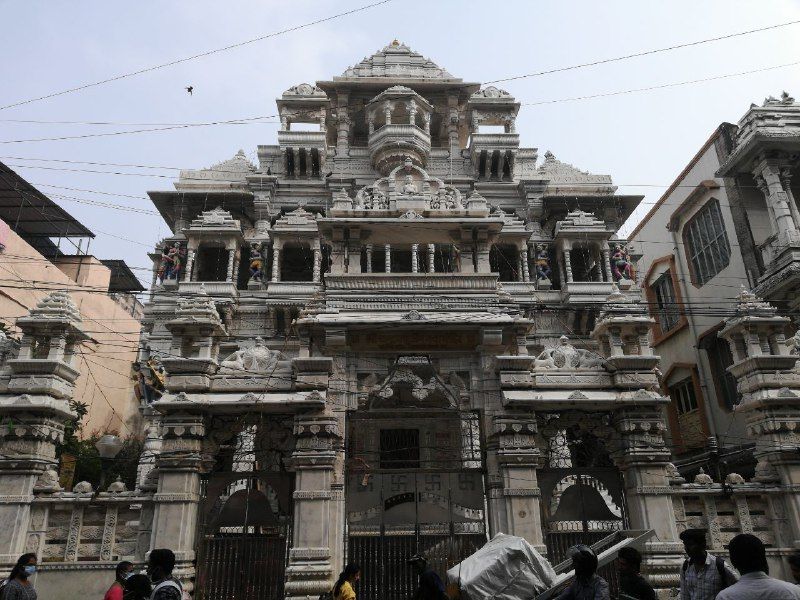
{"type": "Point", "coordinates": [245, 516]}
{"type": "Point", "coordinates": [415, 481]}
{"type": "Point", "coordinates": [246, 535]}
{"type": "Point", "coordinates": [583, 497]}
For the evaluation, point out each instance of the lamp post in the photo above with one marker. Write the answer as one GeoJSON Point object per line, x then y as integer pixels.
{"type": "Point", "coordinates": [108, 446]}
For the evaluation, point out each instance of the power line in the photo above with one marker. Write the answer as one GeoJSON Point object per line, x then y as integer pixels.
{"type": "Point", "coordinates": [247, 121]}
{"type": "Point", "coordinates": [194, 56]}
{"type": "Point", "coordinates": [644, 53]}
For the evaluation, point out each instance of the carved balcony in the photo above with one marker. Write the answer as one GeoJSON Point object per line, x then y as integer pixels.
{"type": "Point", "coordinates": [496, 147]}
{"type": "Point", "coordinates": [390, 145]}
{"type": "Point", "coordinates": [782, 273]}
{"type": "Point", "coordinates": [215, 289]}
{"type": "Point", "coordinates": [301, 139]}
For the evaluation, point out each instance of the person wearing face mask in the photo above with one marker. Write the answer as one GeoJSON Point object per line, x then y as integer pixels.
{"type": "Point", "coordinates": [123, 571]}
{"type": "Point", "coordinates": [159, 567]}
{"type": "Point", "coordinates": [18, 585]}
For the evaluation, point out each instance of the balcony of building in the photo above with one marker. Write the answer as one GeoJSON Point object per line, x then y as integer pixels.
{"type": "Point", "coordinates": [493, 155]}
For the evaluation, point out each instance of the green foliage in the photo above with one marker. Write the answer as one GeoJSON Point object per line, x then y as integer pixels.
{"type": "Point", "coordinates": [88, 466]}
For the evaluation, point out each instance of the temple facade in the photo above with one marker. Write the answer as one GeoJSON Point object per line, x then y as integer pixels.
{"type": "Point", "coordinates": [400, 332]}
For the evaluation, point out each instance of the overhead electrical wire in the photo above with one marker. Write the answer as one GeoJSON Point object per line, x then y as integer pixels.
{"type": "Point", "coordinates": [194, 56]}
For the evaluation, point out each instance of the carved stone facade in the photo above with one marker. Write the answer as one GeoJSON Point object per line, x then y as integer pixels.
{"type": "Point", "coordinates": [448, 342]}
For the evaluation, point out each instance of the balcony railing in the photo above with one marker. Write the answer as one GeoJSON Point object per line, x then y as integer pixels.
{"type": "Point", "coordinates": [395, 135]}
{"type": "Point", "coordinates": [301, 139]}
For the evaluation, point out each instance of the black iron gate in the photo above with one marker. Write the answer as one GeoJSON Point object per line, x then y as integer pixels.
{"type": "Point", "coordinates": [246, 532]}
{"type": "Point", "coordinates": [391, 517]}
{"type": "Point", "coordinates": [581, 505]}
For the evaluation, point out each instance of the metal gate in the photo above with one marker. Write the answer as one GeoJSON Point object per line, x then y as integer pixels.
{"type": "Point", "coordinates": [394, 516]}
{"type": "Point", "coordinates": [246, 532]}
{"type": "Point", "coordinates": [580, 506]}
{"type": "Point", "coordinates": [415, 486]}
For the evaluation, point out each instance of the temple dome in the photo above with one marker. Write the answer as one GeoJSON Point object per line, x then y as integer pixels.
{"type": "Point", "coordinates": [397, 60]}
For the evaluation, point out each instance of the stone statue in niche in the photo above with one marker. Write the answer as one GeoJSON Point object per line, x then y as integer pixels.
{"type": "Point", "coordinates": [257, 359]}
{"type": "Point", "coordinates": [371, 199]}
{"type": "Point", "coordinates": [543, 270]}
{"type": "Point", "coordinates": [566, 356]}
{"type": "Point", "coordinates": [445, 198]}
{"type": "Point", "coordinates": [171, 262]}
{"type": "Point", "coordinates": [256, 261]}
{"type": "Point", "coordinates": [149, 377]}
{"type": "Point", "coordinates": [621, 264]}
{"type": "Point", "coordinates": [409, 188]}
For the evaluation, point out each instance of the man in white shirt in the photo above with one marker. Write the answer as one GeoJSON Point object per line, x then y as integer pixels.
{"type": "Point", "coordinates": [750, 558]}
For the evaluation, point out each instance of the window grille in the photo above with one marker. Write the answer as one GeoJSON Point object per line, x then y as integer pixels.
{"type": "Point", "coordinates": [666, 308]}
{"type": "Point", "coordinates": [683, 396]}
{"type": "Point", "coordinates": [707, 243]}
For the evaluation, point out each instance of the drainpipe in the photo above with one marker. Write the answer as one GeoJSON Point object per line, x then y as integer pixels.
{"type": "Point", "coordinates": [693, 329]}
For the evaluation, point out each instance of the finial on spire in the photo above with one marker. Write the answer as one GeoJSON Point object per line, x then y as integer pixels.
{"type": "Point", "coordinates": [395, 42]}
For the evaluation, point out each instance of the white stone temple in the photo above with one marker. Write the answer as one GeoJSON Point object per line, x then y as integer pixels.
{"type": "Point", "coordinates": [400, 332]}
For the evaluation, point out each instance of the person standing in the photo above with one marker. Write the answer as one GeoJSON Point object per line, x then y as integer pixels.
{"type": "Point", "coordinates": [18, 585]}
{"type": "Point", "coordinates": [137, 587]}
{"type": "Point", "coordinates": [159, 567]}
{"type": "Point", "coordinates": [430, 584]}
{"type": "Point", "coordinates": [749, 557]}
{"type": "Point", "coordinates": [587, 585]}
{"type": "Point", "coordinates": [794, 565]}
{"type": "Point", "coordinates": [122, 572]}
{"type": "Point", "coordinates": [703, 575]}
{"type": "Point", "coordinates": [343, 590]}
{"type": "Point", "coordinates": [631, 583]}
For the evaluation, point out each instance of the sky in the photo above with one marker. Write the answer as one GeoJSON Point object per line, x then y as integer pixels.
{"type": "Point", "coordinates": [643, 139]}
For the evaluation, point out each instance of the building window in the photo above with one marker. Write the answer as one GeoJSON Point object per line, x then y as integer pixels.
{"type": "Point", "coordinates": [707, 243]}
{"type": "Point", "coordinates": [399, 448]}
{"type": "Point", "coordinates": [719, 359]}
{"type": "Point", "coordinates": [665, 307]}
{"type": "Point", "coordinates": [683, 396]}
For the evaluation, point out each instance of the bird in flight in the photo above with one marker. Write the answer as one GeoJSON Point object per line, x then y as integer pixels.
{"type": "Point", "coordinates": [189, 89]}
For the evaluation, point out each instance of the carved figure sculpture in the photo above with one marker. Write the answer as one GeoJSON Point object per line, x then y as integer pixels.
{"type": "Point", "coordinates": [621, 265]}
{"type": "Point", "coordinates": [371, 198]}
{"type": "Point", "coordinates": [256, 262]}
{"type": "Point", "coordinates": [543, 270]}
{"type": "Point", "coordinates": [257, 359]}
{"type": "Point", "coordinates": [149, 380]}
{"type": "Point", "coordinates": [409, 188]}
{"type": "Point", "coordinates": [445, 198]}
{"type": "Point", "coordinates": [171, 262]}
{"type": "Point", "coordinates": [566, 356]}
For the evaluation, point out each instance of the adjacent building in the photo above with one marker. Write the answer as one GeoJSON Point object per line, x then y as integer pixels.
{"type": "Point", "coordinates": [45, 249]}
{"type": "Point", "coordinates": [727, 222]}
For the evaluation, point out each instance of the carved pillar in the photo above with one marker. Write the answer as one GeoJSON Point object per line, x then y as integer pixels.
{"type": "Point", "coordinates": [387, 258]}
{"type": "Point", "coordinates": [523, 257]}
{"type": "Point", "coordinates": [315, 558]}
{"type": "Point", "coordinates": [231, 259]}
{"type": "Point", "coordinates": [369, 258]}
{"type": "Point", "coordinates": [769, 383]}
{"type": "Point", "coordinates": [317, 263]}
{"type": "Point", "coordinates": [342, 124]}
{"type": "Point", "coordinates": [568, 266]}
{"type": "Point", "coordinates": [276, 263]}
{"type": "Point", "coordinates": [387, 113]}
{"type": "Point", "coordinates": [427, 119]}
{"type": "Point", "coordinates": [412, 112]}
{"type": "Point", "coordinates": [189, 265]}
{"type": "Point", "coordinates": [484, 265]}
{"type": "Point", "coordinates": [431, 257]}
{"type": "Point", "coordinates": [786, 182]}
{"type": "Point", "coordinates": [514, 494]}
{"type": "Point", "coordinates": [643, 457]}
{"type": "Point", "coordinates": [607, 264]}
{"type": "Point", "coordinates": [415, 258]}
{"type": "Point", "coordinates": [176, 501]}
{"type": "Point", "coordinates": [27, 449]}
{"type": "Point", "coordinates": [776, 197]}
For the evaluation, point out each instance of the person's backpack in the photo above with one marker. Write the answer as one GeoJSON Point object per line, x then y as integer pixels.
{"type": "Point", "coordinates": [720, 562]}
{"type": "Point", "coordinates": [170, 583]}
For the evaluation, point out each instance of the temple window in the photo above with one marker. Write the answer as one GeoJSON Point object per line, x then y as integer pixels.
{"type": "Point", "coordinates": [297, 263]}
{"type": "Point", "coordinates": [40, 347]}
{"type": "Point", "coordinates": [211, 263]}
{"type": "Point", "coordinates": [585, 261]}
{"type": "Point", "coordinates": [503, 260]}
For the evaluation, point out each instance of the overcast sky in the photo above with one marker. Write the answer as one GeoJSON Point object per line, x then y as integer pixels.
{"type": "Point", "coordinates": [641, 139]}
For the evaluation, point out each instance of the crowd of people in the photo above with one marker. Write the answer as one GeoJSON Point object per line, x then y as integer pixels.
{"type": "Point", "coordinates": [703, 576]}
{"type": "Point", "coordinates": [155, 583]}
